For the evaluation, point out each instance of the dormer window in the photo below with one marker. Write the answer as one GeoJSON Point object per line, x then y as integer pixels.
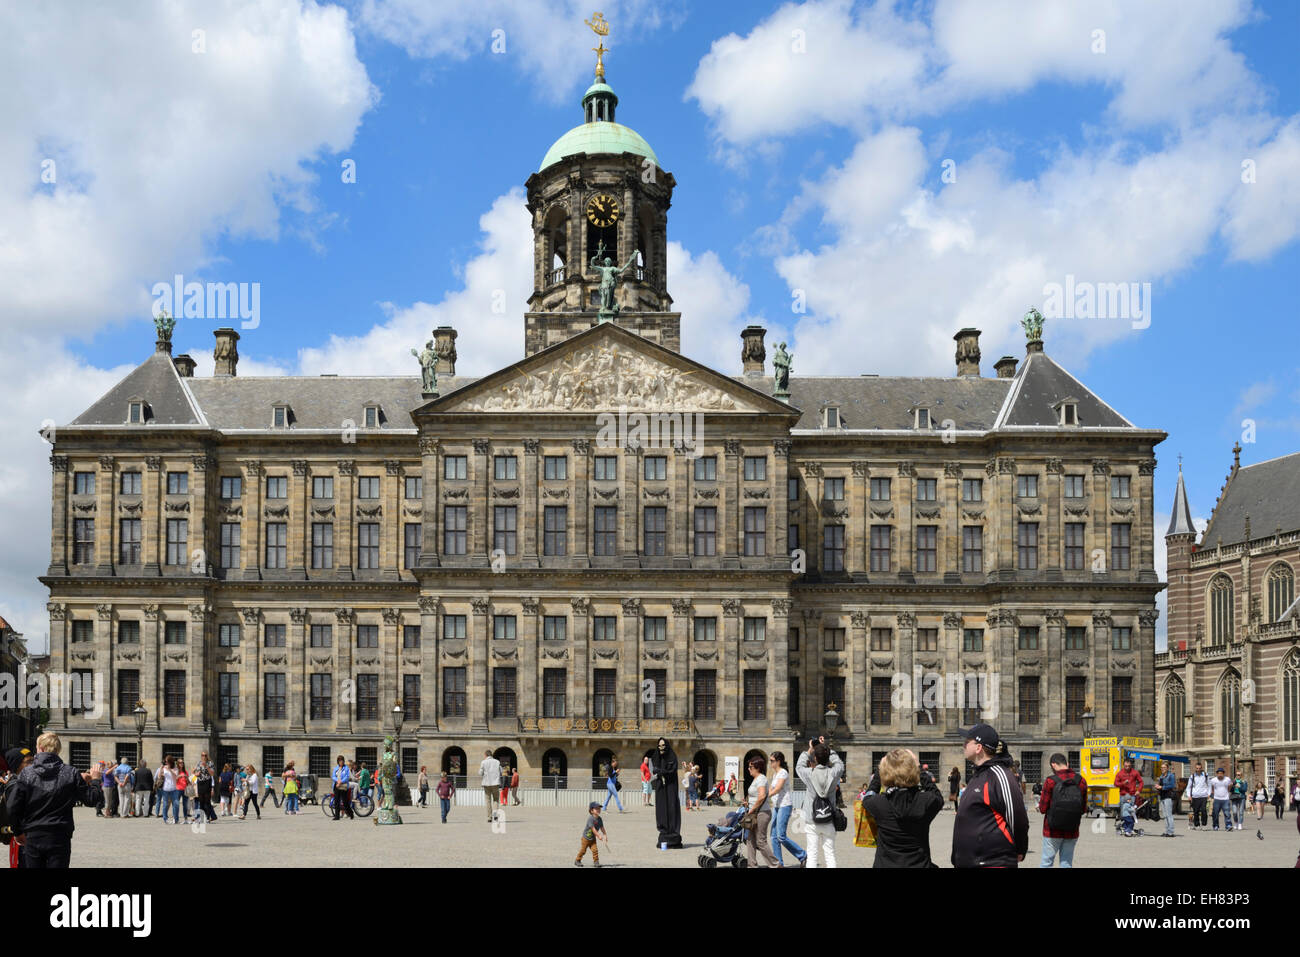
{"type": "Point", "coordinates": [280, 415]}
{"type": "Point", "coordinates": [1067, 412]}
{"type": "Point", "coordinates": [922, 418]}
{"type": "Point", "coordinates": [137, 411]}
{"type": "Point", "coordinates": [372, 416]}
{"type": "Point", "coordinates": [831, 417]}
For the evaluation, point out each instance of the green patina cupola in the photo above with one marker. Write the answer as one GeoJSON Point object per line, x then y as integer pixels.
{"type": "Point", "coordinates": [599, 134]}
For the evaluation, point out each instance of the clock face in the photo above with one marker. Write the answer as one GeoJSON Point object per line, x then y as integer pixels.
{"type": "Point", "coordinates": [602, 210]}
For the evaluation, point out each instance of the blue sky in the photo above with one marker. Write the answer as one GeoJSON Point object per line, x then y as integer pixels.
{"type": "Point", "coordinates": [818, 169]}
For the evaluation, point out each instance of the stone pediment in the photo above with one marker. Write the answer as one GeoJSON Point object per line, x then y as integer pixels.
{"type": "Point", "coordinates": [606, 369]}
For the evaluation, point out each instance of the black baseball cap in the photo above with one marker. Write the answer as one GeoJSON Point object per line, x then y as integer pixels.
{"type": "Point", "coordinates": [984, 734]}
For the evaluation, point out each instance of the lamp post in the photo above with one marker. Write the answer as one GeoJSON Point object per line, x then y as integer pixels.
{"type": "Point", "coordinates": [398, 716]}
{"type": "Point", "coordinates": [832, 720]}
{"type": "Point", "coordinates": [1089, 723]}
{"type": "Point", "coordinates": [141, 715]}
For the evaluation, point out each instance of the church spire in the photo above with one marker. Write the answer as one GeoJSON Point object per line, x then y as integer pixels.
{"type": "Point", "coordinates": [1180, 523]}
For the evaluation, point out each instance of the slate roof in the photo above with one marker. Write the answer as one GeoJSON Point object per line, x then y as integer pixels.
{"type": "Point", "coordinates": [1039, 383]}
{"type": "Point", "coordinates": [1269, 492]}
{"type": "Point", "coordinates": [156, 381]}
{"type": "Point", "coordinates": [886, 402]}
{"type": "Point", "coordinates": [1180, 522]}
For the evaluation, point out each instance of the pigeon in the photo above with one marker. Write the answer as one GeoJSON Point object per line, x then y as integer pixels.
{"type": "Point", "coordinates": [1260, 835]}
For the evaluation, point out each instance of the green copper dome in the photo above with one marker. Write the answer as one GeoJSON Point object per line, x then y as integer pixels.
{"type": "Point", "coordinates": [599, 137]}
{"type": "Point", "coordinates": [599, 134]}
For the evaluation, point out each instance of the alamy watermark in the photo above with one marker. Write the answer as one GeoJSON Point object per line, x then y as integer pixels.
{"type": "Point", "coordinates": [212, 300]}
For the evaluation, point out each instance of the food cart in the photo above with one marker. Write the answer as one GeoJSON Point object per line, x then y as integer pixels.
{"type": "Point", "coordinates": [1102, 757]}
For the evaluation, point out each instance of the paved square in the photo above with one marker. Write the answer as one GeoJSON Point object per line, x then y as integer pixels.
{"type": "Point", "coordinates": [538, 836]}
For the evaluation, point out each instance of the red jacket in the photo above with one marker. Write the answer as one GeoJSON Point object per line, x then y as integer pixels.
{"type": "Point", "coordinates": [1129, 781]}
{"type": "Point", "coordinates": [1045, 802]}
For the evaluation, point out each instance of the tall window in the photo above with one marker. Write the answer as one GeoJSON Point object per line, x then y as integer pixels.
{"type": "Point", "coordinates": [1028, 639]}
{"type": "Point", "coordinates": [504, 528]}
{"type": "Point", "coordinates": [453, 627]}
{"type": "Point", "coordinates": [655, 628]}
{"type": "Point", "coordinates": [129, 541]}
{"type": "Point", "coordinates": [1027, 486]}
{"type": "Point", "coordinates": [503, 627]}
{"type": "Point", "coordinates": [367, 697]}
{"type": "Point", "coordinates": [321, 705]}
{"type": "Point", "coordinates": [604, 692]}
{"type": "Point", "coordinates": [368, 545]}
{"type": "Point", "coordinates": [880, 536]}
{"type": "Point", "coordinates": [322, 545]}
{"type": "Point", "coordinates": [322, 636]}
{"type": "Point", "coordinates": [1076, 639]}
{"type": "Point", "coordinates": [322, 486]}
{"type": "Point", "coordinates": [926, 489]}
{"type": "Point", "coordinates": [792, 489]}
{"type": "Point", "coordinates": [367, 636]}
{"type": "Point", "coordinates": [972, 548]}
{"type": "Point", "coordinates": [1291, 697]}
{"type": "Point", "coordinates": [412, 537]}
{"type": "Point", "coordinates": [927, 639]}
{"type": "Point", "coordinates": [455, 467]}
{"type": "Point", "coordinates": [128, 633]}
{"type": "Point", "coordinates": [792, 700]}
{"type": "Point", "coordinates": [755, 689]}
{"type": "Point", "coordinates": [227, 695]}
{"type": "Point", "coordinates": [410, 636]}
{"type": "Point", "coordinates": [706, 695]}
{"type": "Point", "coordinates": [604, 539]}
{"type": "Point", "coordinates": [1074, 486]}
{"type": "Point", "coordinates": [230, 534]}
{"type": "Point", "coordinates": [178, 483]}
{"type": "Point", "coordinates": [833, 694]}
{"type": "Point", "coordinates": [706, 468]}
{"type": "Point", "coordinates": [273, 636]}
{"type": "Point", "coordinates": [706, 530]}
{"type": "Point", "coordinates": [128, 690]}
{"type": "Point", "coordinates": [1121, 639]}
{"type": "Point", "coordinates": [277, 545]}
{"type": "Point", "coordinates": [131, 485]}
{"type": "Point", "coordinates": [1074, 546]}
{"type": "Point", "coordinates": [604, 628]}
{"type": "Point", "coordinates": [1076, 690]}
{"type": "Point", "coordinates": [1230, 707]}
{"type": "Point", "coordinates": [84, 630]}
{"type": "Point", "coordinates": [174, 694]}
{"type": "Point", "coordinates": [1175, 711]}
{"type": "Point", "coordinates": [706, 629]}
{"type": "Point", "coordinates": [833, 548]}
{"type": "Point", "coordinates": [1220, 607]}
{"type": "Point", "coordinates": [654, 693]}
{"type": "Point", "coordinates": [882, 712]}
{"type": "Point", "coordinates": [413, 487]}
{"type": "Point", "coordinates": [274, 696]}
{"type": "Point", "coordinates": [504, 468]}
{"type": "Point", "coordinates": [555, 468]}
{"type": "Point", "coordinates": [755, 468]}
{"type": "Point", "coordinates": [882, 639]}
{"type": "Point", "coordinates": [972, 490]}
{"type": "Point", "coordinates": [972, 639]}
{"type": "Point", "coordinates": [555, 535]}
{"type": "Point", "coordinates": [655, 529]}
{"type": "Point", "coordinates": [756, 530]}
{"type": "Point", "coordinates": [1119, 486]}
{"type": "Point", "coordinates": [173, 633]}
{"type": "Point", "coordinates": [277, 486]}
{"type": "Point", "coordinates": [655, 468]}
{"type": "Point", "coordinates": [453, 692]}
{"type": "Point", "coordinates": [178, 536]}
{"type": "Point", "coordinates": [1028, 545]}
{"type": "Point", "coordinates": [411, 697]}
{"type": "Point", "coordinates": [1029, 712]}
{"type": "Point", "coordinates": [832, 639]}
{"type": "Point", "coordinates": [1119, 546]}
{"type": "Point", "coordinates": [227, 636]}
{"type": "Point", "coordinates": [454, 539]}
{"type": "Point", "coordinates": [605, 468]}
{"type": "Point", "coordinates": [755, 629]}
{"type": "Point", "coordinates": [1281, 591]}
{"type": "Point", "coordinates": [554, 692]}
{"type": "Point", "coordinates": [1121, 700]}
{"type": "Point", "coordinates": [926, 547]}
{"type": "Point", "coordinates": [833, 490]}
{"type": "Point", "coordinates": [880, 490]}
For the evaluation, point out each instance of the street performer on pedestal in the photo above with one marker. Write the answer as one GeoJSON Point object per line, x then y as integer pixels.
{"type": "Point", "coordinates": [668, 809]}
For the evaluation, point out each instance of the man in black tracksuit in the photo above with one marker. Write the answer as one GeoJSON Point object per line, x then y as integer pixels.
{"type": "Point", "coordinates": [992, 828]}
{"type": "Point", "coordinates": [40, 805]}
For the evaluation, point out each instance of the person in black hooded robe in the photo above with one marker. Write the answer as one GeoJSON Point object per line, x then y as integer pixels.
{"type": "Point", "coordinates": [668, 809]}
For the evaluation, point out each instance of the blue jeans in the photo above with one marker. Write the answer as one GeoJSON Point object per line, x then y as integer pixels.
{"type": "Point", "coordinates": [780, 820]}
{"type": "Point", "coordinates": [1062, 845]}
{"type": "Point", "coordinates": [1238, 811]}
{"type": "Point", "coordinates": [1126, 813]}
{"type": "Point", "coordinates": [171, 799]}
{"type": "Point", "coordinates": [1167, 809]}
{"type": "Point", "coordinates": [1227, 814]}
{"type": "Point", "coordinates": [613, 793]}
{"type": "Point", "coordinates": [291, 803]}
{"type": "Point", "coordinates": [446, 806]}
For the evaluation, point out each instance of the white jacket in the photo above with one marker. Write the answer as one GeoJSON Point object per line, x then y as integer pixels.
{"type": "Point", "coordinates": [1199, 785]}
{"type": "Point", "coordinates": [490, 773]}
{"type": "Point", "coordinates": [820, 779]}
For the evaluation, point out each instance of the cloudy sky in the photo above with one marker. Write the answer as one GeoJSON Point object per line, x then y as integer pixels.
{"type": "Point", "coordinates": [903, 169]}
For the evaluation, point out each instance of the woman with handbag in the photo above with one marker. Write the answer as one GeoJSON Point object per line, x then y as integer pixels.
{"type": "Point", "coordinates": [758, 819]}
{"type": "Point", "coordinates": [613, 786]}
{"type": "Point", "coordinates": [782, 807]}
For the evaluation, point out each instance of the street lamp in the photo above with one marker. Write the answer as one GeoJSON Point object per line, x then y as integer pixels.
{"type": "Point", "coordinates": [141, 714]}
{"type": "Point", "coordinates": [1089, 723]}
{"type": "Point", "coordinates": [398, 717]}
{"type": "Point", "coordinates": [832, 719]}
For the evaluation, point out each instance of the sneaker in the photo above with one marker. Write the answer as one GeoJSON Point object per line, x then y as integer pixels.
{"type": "Point", "coordinates": [577, 863]}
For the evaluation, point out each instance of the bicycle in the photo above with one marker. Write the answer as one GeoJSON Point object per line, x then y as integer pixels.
{"type": "Point", "coordinates": [363, 805]}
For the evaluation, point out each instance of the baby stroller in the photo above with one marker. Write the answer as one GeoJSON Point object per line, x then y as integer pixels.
{"type": "Point", "coordinates": [722, 846]}
{"type": "Point", "coordinates": [717, 795]}
{"type": "Point", "coordinates": [307, 789]}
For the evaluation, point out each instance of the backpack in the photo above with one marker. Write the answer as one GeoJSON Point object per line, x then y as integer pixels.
{"type": "Point", "coordinates": [1066, 809]}
{"type": "Point", "coordinates": [824, 811]}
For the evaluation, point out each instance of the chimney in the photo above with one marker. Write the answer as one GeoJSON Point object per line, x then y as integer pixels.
{"type": "Point", "coordinates": [752, 353]}
{"type": "Point", "coordinates": [1006, 367]}
{"type": "Point", "coordinates": [184, 365]}
{"type": "Point", "coordinates": [226, 353]}
{"type": "Point", "coordinates": [444, 346]}
{"type": "Point", "coordinates": [968, 352]}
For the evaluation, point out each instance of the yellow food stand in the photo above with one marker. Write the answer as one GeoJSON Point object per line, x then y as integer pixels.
{"type": "Point", "coordinates": [1102, 757]}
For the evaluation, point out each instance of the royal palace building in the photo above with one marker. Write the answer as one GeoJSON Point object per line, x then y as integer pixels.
{"type": "Point", "coordinates": [604, 542]}
{"type": "Point", "coordinates": [1229, 683]}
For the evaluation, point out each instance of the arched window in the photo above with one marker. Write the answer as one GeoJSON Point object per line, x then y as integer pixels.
{"type": "Point", "coordinates": [1291, 697]}
{"type": "Point", "coordinates": [600, 762]}
{"type": "Point", "coordinates": [1220, 610]}
{"type": "Point", "coordinates": [1175, 710]}
{"type": "Point", "coordinates": [456, 765]}
{"type": "Point", "coordinates": [1229, 707]}
{"type": "Point", "coordinates": [555, 769]}
{"type": "Point", "coordinates": [1281, 590]}
{"type": "Point", "coordinates": [507, 758]}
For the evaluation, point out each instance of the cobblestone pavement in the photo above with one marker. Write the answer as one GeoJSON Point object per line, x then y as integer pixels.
{"type": "Point", "coordinates": [548, 836]}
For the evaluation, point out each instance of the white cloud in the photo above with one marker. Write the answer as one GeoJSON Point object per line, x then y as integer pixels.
{"type": "Point", "coordinates": [158, 150]}
{"type": "Point", "coordinates": [1265, 215]}
{"type": "Point", "coordinates": [714, 306]}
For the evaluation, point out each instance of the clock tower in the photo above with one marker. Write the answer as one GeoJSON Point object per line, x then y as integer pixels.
{"type": "Point", "coordinates": [600, 194]}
